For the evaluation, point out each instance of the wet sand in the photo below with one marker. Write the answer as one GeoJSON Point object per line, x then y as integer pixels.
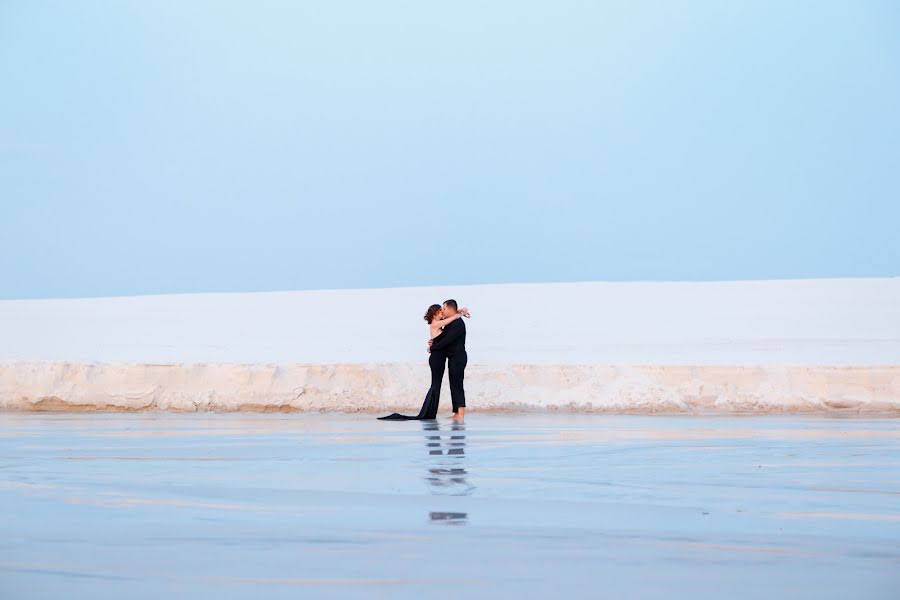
{"type": "Point", "coordinates": [505, 506]}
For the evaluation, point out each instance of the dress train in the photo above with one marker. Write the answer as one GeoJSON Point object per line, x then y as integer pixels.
{"type": "Point", "coordinates": [428, 411]}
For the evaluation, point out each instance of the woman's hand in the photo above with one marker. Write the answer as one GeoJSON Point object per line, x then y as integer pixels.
{"type": "Point", "coordinates": [465, 312]}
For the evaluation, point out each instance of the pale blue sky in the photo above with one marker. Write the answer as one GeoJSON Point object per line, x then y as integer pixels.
{"type": "Point", "coordinates": [185, 146]}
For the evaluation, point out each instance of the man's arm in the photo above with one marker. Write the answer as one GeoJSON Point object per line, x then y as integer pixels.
{"type": "Point", "coordinates": [452, 332]}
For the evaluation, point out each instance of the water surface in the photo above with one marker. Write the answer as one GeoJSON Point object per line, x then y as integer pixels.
{"type": "Point", "coordinates": [504, 506]}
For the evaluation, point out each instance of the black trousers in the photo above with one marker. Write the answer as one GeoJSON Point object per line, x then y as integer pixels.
{"type": "Point", "coordinates": [457, 371]}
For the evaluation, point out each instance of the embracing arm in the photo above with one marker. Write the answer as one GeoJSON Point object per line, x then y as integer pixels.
{"type": "Point", "coordinates": [450, 335]}
{"type": "Point", "coordinates": [463, 312]}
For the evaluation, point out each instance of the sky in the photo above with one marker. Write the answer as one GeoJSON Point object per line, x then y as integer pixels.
{"type": "Point", "coordinates": [173, 146]}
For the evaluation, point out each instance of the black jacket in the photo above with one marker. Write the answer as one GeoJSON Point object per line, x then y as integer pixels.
{"type": "Point", "coordinates": [453, 339]}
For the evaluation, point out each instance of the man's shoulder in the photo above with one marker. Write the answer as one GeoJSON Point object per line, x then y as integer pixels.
{"type": "Point", "coordinates": [456, 324]}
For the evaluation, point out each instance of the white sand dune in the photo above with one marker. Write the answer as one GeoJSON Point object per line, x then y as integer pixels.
{"type": "Point", "coordinates": [637, 346]}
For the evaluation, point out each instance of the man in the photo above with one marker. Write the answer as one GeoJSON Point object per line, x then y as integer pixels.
{"type": "Point", "coordinates": [452, 344]}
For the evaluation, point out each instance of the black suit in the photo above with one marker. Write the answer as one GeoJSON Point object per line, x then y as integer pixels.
{"type": "Point", "coordinates": [452, 345]}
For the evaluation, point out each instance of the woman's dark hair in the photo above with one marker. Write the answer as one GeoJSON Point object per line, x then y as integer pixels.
{"type": "Point", "coordinates": [432, 310]}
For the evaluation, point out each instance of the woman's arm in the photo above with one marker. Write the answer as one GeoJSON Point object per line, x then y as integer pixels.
{"type": "Point", "coordinates": [463, 312]}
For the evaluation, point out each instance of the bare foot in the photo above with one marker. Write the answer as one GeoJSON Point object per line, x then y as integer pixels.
{"type": "Point", "coordinates": [460, 413]}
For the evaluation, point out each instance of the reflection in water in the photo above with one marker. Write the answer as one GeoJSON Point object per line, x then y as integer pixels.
{"type": "Point", "coordinates": [446, 468]}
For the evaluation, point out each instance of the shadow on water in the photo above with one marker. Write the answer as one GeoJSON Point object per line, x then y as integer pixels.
{"type": "Point", "coordinates": [446, 468]}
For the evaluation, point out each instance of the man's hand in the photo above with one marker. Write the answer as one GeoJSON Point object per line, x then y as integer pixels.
{"type": "Point", "coordinates": [429, 345]}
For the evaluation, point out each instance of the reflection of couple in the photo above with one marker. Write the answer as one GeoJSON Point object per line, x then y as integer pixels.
{"type": "Point", "coordinates": [447, 346]}
{"type": "Point", "coordinates": [447, 474]}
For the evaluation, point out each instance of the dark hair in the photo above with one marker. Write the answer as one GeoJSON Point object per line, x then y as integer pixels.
{"type": "Point", "coordinates": [451, 303]}
{"type": "Point", "coordinates": [432, 310]}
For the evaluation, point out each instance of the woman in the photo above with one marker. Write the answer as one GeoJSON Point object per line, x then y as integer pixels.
{"type": "Point", "coordinates": [434, 316]}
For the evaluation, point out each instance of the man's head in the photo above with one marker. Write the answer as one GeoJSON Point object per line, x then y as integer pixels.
{"type": "Point", "coordinates": [450, 308]}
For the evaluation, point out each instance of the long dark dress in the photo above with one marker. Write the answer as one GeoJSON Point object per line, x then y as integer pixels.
{"type": "Point", "coordinates": [437, 361]}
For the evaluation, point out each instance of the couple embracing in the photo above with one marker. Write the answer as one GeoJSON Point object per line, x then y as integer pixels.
{"type": "Point", "coordinates": [447, 346]}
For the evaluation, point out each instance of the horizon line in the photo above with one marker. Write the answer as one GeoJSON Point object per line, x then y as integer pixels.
{"type": "Point", "coordinates": [458, 285]}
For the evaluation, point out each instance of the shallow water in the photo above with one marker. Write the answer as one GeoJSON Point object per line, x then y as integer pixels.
{"type": "Point", "coordinates": [569, 505]}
